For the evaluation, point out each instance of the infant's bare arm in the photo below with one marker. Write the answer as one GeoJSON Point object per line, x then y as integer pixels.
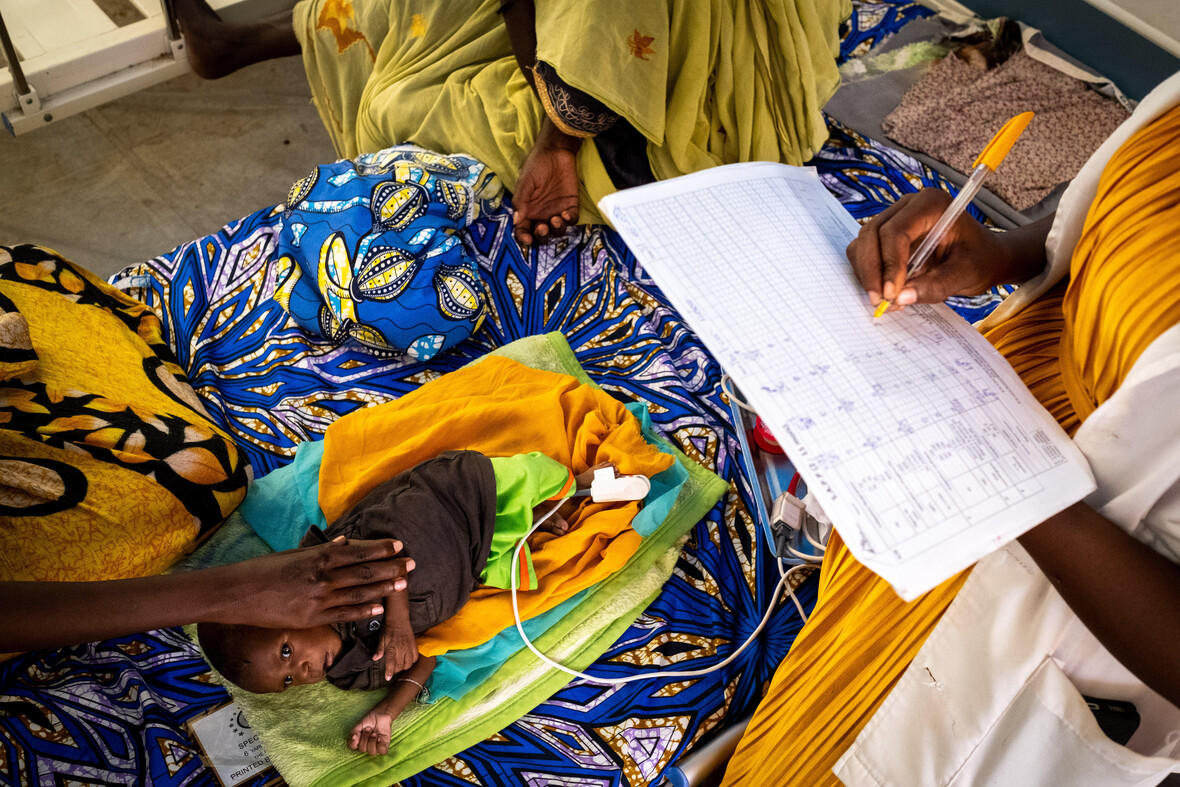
{"type": "Point", "coordinates": [371, 734]}
{"type": "Point", "coordinates": [398, 646]}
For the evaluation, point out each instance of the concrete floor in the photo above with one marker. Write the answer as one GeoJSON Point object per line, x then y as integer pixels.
{"type": "Point", "coordinates": [134, 178]}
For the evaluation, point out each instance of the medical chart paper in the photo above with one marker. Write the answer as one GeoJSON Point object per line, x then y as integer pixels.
{"type": "Point", "coordinates": [916, 436]}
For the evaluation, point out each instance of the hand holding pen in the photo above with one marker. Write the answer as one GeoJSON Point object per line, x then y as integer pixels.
{"type": "Point", "coordinates": [889, 239]}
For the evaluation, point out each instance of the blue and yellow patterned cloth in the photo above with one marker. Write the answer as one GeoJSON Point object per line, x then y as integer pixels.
{"type": "Point", "coordinates": [368, 250]}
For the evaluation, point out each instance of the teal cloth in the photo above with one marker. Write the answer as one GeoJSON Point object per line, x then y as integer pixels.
{"type": "Point", "coordinates": [283, 504]}
{"type": "Point", "coordinates": [665, 486]}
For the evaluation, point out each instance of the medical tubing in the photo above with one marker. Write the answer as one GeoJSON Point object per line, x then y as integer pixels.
{"type": "Point", "coordinates": [817, 545]}
{"type": "Point", "coordinates": [812, 559]}
{"type": "Point", "coordinates": [727, 387]}
{"type": "Point", "coordinates": [660, 673]}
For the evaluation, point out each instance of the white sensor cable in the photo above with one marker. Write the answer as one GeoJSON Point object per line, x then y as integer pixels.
{"type": "Point", "coordinates": [658, 673]}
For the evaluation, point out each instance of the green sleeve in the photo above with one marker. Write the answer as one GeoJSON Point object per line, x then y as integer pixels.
{"type": "Point", "coordinates": [522, 482]}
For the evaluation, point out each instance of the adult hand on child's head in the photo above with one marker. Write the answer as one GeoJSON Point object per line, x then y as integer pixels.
{"type": "Point", "coordinates": [970, 259]}
{"type": "Point", "coordinates": [370, 735]}
{"type": "Point", "coordinates": [329, 583]}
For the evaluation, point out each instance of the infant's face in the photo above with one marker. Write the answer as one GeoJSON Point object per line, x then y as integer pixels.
{"type": "Point", "coordinates": [281, 658]}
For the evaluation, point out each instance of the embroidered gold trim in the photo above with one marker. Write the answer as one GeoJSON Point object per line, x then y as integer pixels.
{"type": "Point", "coordinates": [570, 117]}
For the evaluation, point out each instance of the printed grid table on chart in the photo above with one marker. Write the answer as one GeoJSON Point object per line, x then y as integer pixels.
{"type": "Point", "coordinates": [914, 432]}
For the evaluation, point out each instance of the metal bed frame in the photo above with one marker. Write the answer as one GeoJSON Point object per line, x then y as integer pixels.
{"type": "Point", "coordinates": [67, 56]}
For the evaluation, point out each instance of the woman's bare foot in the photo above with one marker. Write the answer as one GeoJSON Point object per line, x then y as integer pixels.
{"type": "Point", "coordinates": [217, 48]}
{"type": "Point", "coordinates": [546, 198]}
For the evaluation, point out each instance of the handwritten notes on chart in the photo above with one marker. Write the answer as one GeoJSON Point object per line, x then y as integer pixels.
{"type": "Point", "coordinates": [916, 436]}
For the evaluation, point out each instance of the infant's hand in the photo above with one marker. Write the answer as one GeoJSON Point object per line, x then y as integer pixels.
{"type": "Point", "coordinates": [399, 649]}
{"type": "Point", "coordinates": [371, 734]}
{"type": "Point", "coordinates": [584, 479]}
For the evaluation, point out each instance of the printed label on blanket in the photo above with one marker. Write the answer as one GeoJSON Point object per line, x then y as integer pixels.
{"type": "Point", "coordinates": [368, 251]}
{"type": "Point", "coordinates": [230, 746]}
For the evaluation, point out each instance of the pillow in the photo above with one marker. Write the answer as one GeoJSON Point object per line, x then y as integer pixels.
{"type": "Point", "coordinates": [109, 466]}
{"type": "Point", "coordinates": [367, 251]}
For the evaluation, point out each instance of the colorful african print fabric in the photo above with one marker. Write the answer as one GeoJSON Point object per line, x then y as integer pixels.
{"type": "Point", "coordinates": [368, 251]}
{"type": "Point", "coordinates": [114, 712]}
{"type": "Point", "coordinates": [109, 467]}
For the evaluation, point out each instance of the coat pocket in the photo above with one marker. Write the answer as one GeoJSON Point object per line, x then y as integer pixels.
{"type": "Point", "coordinates": [1049, 736]}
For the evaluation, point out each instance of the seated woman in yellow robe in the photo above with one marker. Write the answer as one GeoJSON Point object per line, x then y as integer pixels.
{"type": "Point", "coordinates": [664, 87]}
{"type": "Point", "coordinates": [1093, 333]}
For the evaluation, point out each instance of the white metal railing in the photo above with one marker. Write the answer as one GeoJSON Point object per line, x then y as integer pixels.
{"type": "Point", "coordinates": [67, 56]}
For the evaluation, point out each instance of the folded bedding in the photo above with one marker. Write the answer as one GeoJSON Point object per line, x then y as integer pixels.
{"type": "Point", "coordinates": [498, 407]}
{"type": "Point", "coordinates": [942, 87]}
{"type": "Point", "coordinates": [563, 414]}
{"type": "Point", "coordinates": [956, 108]}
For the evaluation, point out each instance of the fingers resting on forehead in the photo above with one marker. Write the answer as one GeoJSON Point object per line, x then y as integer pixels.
{"type": "Point", "coordinates": [343, 552]}
{"type": "Point", "coordinates": [358, 602]}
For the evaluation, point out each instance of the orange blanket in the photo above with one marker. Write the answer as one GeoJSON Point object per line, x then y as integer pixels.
{"type": "Point", "coordinates": [501, 407]}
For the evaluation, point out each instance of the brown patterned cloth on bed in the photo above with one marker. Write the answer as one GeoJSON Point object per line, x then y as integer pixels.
{"type": "Point", "coordinates": [953, 111]}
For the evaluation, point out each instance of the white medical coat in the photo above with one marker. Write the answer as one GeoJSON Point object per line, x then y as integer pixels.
{"type": "Point", "coordinates": [995, 694]}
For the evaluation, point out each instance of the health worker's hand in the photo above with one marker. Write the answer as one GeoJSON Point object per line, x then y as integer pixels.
{"type": "Point", "coordinates": [969, 261]}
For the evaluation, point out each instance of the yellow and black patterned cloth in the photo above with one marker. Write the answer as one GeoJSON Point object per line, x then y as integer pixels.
{"type": "Point", "coordinates": [108, 465]}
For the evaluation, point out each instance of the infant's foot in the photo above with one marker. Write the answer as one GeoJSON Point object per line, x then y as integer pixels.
{"type": "Point", "coordinates": [556, 524]}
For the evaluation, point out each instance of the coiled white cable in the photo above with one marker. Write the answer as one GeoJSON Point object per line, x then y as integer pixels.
{"type": "Point", "coordinates": [727, 387]}
{"type": "Point", "coordinates": [659, 673]}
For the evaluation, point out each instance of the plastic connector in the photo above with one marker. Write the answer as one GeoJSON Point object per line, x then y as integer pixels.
{"type": "Point", "coordinates": [788, 511]}
{"type": "Point", "coordinates": [610, 488]}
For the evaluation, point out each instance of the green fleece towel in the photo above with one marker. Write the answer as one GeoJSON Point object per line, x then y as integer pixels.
{"type": "Point", "coordinates": [304, 730]}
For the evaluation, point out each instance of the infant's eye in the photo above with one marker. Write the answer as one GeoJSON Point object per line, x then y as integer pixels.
{"type": "Point", "coordinates": [285, 651]}
{"type": "Point", "coordinates": [287, 681]}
